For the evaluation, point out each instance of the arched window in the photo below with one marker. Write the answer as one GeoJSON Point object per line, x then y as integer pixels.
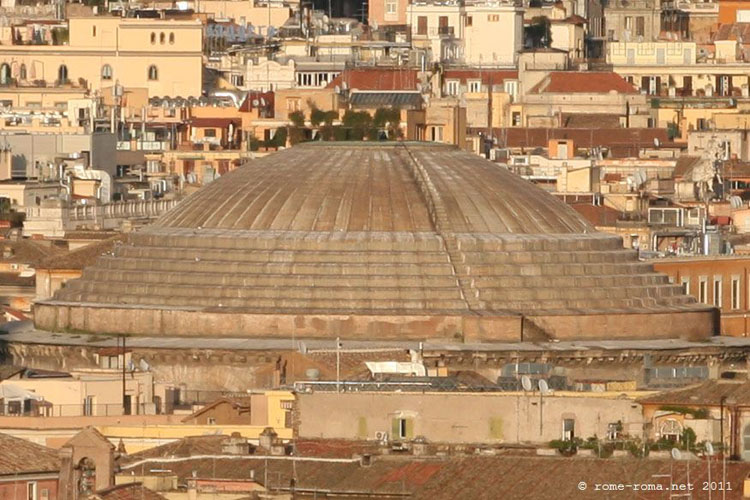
{"type": "Point", "coordinates": [746, 442]}
{"type": "Point", "coordinates": [153, 37]}
{"type": "Point", "coordinates": [62, 74]}
{"type": "Point", "coordinates": [171, 38]}
{"type": "Point", "coordinates": [86, 476]}
{"type": "Point", "coordinates": [4, 74]}
{"type": "Point", "coordinates": [106, 72]}
{"type": "Point", "coordinates": [153, 73]}
{"type": "Point", "coordinates": [671, 429]}
{"type": "Point", "coordinates": [161, 38]}
{"type": "Point", "coordinates": [22, 73]}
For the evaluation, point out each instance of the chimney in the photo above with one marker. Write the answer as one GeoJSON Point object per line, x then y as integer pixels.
{"type": "Point", "coordinates": [7, 252]}
{"type": "Point", "coordinates": [419, 446]}
{"type": "Point", "coordinates": [267, 438]}
{"type": "Point", "coordinates": [236, 445]}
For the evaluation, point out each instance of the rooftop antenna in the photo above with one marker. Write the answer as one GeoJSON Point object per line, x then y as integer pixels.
{"type": "Point", "coordinates": [709, 453]}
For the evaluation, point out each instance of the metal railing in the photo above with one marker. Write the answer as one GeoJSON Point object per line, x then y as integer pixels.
{"type": "Point", "coordinates": [45, 409]}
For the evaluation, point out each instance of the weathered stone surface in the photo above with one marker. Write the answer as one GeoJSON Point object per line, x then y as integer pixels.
{"type": "Point", "coordinates": [374, 241]}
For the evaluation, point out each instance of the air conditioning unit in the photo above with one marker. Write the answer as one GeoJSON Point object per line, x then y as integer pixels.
{"type": "Point", "coordinates": [382, 436]}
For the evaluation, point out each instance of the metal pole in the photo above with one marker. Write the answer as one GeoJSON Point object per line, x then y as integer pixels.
{"type": "Point", "coordinates": [124, 406]}
{"type": "Point", "coordinates": [338, 365]}
{"type": "Point", "coordinates": [709, 477]}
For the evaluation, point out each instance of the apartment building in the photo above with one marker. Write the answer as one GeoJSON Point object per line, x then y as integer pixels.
{"type": "Point", "coordinates": [163, 56]}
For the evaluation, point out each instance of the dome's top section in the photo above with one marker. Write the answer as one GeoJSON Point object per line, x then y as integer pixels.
{"type": "Point", "coordinates": [379, 187]}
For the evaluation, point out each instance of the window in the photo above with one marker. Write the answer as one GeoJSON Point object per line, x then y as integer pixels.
{"type": "Point", "coordinates": [437, 134]}
{"type": "Point", "coordinates": [475, 85]}
{"type": "Point", "coordinates": [422, 25]}
{"type": "Point", "coordinates": [5, 74]}
{"type": "Point", "coordinates": [88, 406]}
{"type": "Point", "coordinates": [469, 20]}
{"type": "Point", "coordinates": [685, 282]}
{"type": "Point", "coordinates": [402, 428]}
{"type": "Point", "coordinates": [717, 291]}
{"type": "Point", "coordinates": [22, 73]}
{"type": "Point", "coordinates": [640, 26]}
{"type": "Point", "coordinates": [153, 37]}
{"type": "Point", "coordinates": [451, 87]}
{"type": "Point", "coordinates": [238, 80]}
{"type": "Point", "coordinates": [613, 430]}
{"type": "Point", "coordinates": [391, 7]}
{"type": "Point", "coordinates": [736, 293]}
{"type": "Point", "coordinates": [162, 38]}
{"type": "Point", "coordinates": [703, 290]}
{"type": "Point", "coordinates": [62, 74]}
{"type": "Point", "coordinates": [493, 18]}
{"type": "Point", "coordinates": [31, 487]}
{"type": "Point", "coordinates": [171, 38]}
{"type": "Point", "coordinates": [44, 494]}
{"type": "Point", "coordinates": [628, 23]}
{"type": "Point", "coordinates": [568, 430]}
{"type": "Point", "coordinates": [209, 132]}
{"type": "Point", "coordinates": [153, 73]}
{"type": "Point", "coordinates": [211, 421]}
{"type": "Point", "coordinates": [93, 31]}
{"type": "Point", "coordinates": [106, 72]}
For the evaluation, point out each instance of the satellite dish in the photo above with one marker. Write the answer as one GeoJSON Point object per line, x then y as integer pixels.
{"type": "Point", "coordinates": [657, 142]}
{"type": "Point", "coordinates": [709, 449]}
{"type": "Point", "coordinates": [676, 454]}
{"type": "Point", "coordinates": [735, 202]}
{"type": "Point", "coordinates": [337, 89]}
{"type": "Point", "coordinates": [256, 102]}
{"type": "Point", "coordinates": [543, 387]}
{"type": "Point", "coordinates": [526, 383]}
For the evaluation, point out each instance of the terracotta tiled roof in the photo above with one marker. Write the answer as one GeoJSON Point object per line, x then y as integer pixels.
{"type": "Point", "coordinates": [27, 251]}
{"type": "Point", "coordinates": [709, 393]}
{"type": "Point", "coordinates": [583, 82]}
{"type": "Point", "coordinates": [685, 165]}
{"type": "Point", "coordinates": [81, 257]}
{"type": "Point", "coordinates": [19, 456]}
{"type": "Point", "coordinates": [450, 477]}
{"type": "Point", "coordinates": [622, 142]}
{"type": "Point", "coordinates": [377, 79]}
{"type": "Point", "coordinates": [131, 491]}
{"type": "Point", "coordinates": [598, 216]}
{"type": "Point", "coordinates": [590, 120]}
{"type": "Point", "coordinates": [733, 31]}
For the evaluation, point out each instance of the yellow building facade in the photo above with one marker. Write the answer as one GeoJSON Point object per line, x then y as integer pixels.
{"type": "Point", "coordinates": [163, 56]}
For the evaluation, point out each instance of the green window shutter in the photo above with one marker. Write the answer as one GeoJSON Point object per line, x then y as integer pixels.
{"type": "Point", "coordinates": [362, 428]}
{"type": "Point", "coordinates": [409, 428]}
{"type": "Point", "coordinates": [496, 428]}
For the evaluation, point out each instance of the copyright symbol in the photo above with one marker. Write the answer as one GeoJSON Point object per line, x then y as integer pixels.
{"type": "Point", "coordinates": [582, 485]}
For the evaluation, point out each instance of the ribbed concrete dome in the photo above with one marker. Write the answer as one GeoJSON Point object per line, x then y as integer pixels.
{"type": "Point", "coordinates": [370, 241]}
{"type": "Point", "coordinates": [373, 188]}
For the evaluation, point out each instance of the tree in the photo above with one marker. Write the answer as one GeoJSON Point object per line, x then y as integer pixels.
{"type": "Point", "coordinates": [297, 118]}
{"type": "Point", "coordinates": [358, 123]}
{"type": "Point", "coordinates": [389, 119]}
{"type": "Point", "coordinates": [538, 33]}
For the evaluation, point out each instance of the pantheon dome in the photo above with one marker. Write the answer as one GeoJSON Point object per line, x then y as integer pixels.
{"type": "Point", "coordinates": [375, 241]}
